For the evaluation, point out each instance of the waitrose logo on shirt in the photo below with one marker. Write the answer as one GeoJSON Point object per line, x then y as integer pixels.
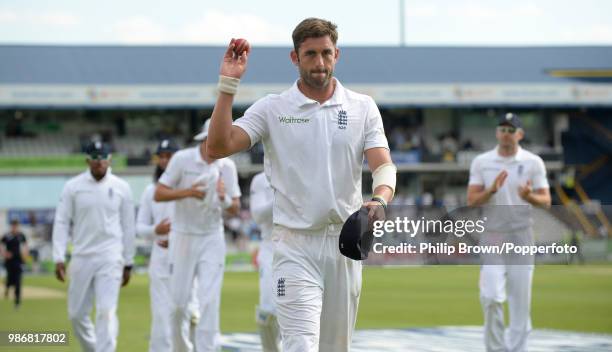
{"type": "Point", "coordinates": [292, 119]}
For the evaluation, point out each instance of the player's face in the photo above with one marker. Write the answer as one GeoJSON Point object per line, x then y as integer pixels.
{"type": "Point", "coordinates": [163, 159]}
{"type": "Point", "coordinates": [316, 59]}
{"type": "Point", "coordinates": [508, 136]}
{"type": "Point", "coordinates": [98, 167]}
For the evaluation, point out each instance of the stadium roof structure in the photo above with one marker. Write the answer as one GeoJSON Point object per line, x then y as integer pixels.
{"type": "Point", "coordinates": [186, 76]}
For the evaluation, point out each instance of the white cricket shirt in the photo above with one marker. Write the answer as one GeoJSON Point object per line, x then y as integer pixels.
{"type": "Point", "coordinates": [315, 151]}
{"type": "Point", "coordinates": [262, 198]}
{"type": "Point", "coordinates": [151, 213]}
{"type": "Point", "coordinates": [99, 216]}
{"type": "Point", "coordinates": [511, 211]}
{"type": "Point", "coordinates": [199, 216]}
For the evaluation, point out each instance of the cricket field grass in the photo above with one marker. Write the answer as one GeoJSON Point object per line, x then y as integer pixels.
{"type": "Point", "coordinates": [576, 298]}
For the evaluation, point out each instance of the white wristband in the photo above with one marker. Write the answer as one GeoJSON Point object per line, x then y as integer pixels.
{"type": "Point", "coordinates": [385, 174]}
{"type": "Point", "coordinates": [228, 85]}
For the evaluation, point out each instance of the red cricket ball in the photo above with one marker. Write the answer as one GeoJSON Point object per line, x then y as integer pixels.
{"type": "Point", "coordinates": [241, 45]}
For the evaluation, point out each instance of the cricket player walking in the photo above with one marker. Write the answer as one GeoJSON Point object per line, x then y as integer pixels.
{"type": "Point", "coordinates": [315, 137]}
{"type": "Point", "coordinates": [154, 221]}
{"type": "Point", "coordinates": [261, 201]}
{"type": "Point", "coordinates": [97, 209]}
{"type": "Point", "coordinates": [512, 178]}
{"type": "Point", "coordinates": [202, 187]}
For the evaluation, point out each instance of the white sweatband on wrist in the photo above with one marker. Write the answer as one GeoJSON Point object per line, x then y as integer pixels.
{"type": "Point", "coordinates": [384, 175]}
{"type": "Point", "coordinates": [228, 85]}
{"type": "Point", "coordinates": [227, 202]}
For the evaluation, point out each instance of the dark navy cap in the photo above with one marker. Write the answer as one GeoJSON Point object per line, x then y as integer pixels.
{"type": "Point", "coordinates": [510, 119]}
{"type": "Point", "coordinates": [98, 150]}
{"type": "Point", "coordinates": [166, 146]}
{"type": "Point", "coordinates": [356, 237]}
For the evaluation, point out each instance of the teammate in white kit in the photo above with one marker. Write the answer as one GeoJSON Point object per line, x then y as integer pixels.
{"type": "Point", "coordinates": [262, 198]}
{"type": "Point", "coordinates": [154, 221]}
{"type": "Point", "coordinates": [97, 210]}
{"type": "Point", "coordinates": [202, 188]}
{"type": "Point", "coordinates": [513, 180]}
{"type": "Point", "coordinates": [315, 136]}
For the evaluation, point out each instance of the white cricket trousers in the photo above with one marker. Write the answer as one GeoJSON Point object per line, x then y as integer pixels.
{"type": "Point", "coordinates": [161, 302]}
{"type": "Point", "coordinates": [316, 289]}
{"type": "Point", "coordinates": [201, 257]}
{"type": "Point", "coordinates": [499, 282]}
{"type": "Point", "coordinates": [99, 278]}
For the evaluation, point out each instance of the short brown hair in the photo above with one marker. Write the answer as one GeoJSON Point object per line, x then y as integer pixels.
{"type": "Point", "coordinates": [313, 28]}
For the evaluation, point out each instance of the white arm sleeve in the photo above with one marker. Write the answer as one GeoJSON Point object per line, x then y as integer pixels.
{"type": "Point", "coordinates": [172, 175]}
{"type": "Point", "coordinates": [230, 179]}
{"type": "Point", "coordinates": [374, 130]}
{"type": "Point", "coordinates": [476, 178]}
{"type": "Point", "coordinates": [144, 222]}
{"type": "Point", "coordinates": [539, 180]}
{"type": "Point", "coordinates": [128, 219]}
{"type": "Point", "coordinates": [61, 224]}
{"type": "Point", "coordinates": [254, 122]}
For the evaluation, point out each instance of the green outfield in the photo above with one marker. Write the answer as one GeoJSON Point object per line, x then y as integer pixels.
{"type": "Point", "coordinates": [577, 298]}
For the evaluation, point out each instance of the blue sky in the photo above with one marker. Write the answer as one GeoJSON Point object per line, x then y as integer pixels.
{"type": "Point", "coordinates": [427, 22]}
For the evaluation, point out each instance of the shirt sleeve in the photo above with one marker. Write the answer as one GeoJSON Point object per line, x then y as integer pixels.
{"type": "Point", "coordinates": [172, 175]}
{"type": "Point", "coordinates": [128, 219]}
{"type": "Point", "coordinates": [253, 122]}
{"type": "Point", "coordinates": [374, 131]}
{"type": "Point", "coordinates": [476, 178]}
{"type": "Point", "coordinates": [230, 179]}
{"type": "Point", "coordinates": [260, 205]}
{"type": "Point", "coordinates": [144, 222]}
{"type": "Point", "coordinates": [61, 224]}
{"type": "Point", "coordinates": [539, 180]}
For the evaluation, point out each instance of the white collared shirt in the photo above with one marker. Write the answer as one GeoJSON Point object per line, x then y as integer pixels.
{"type": "Point", "coordinates": [262, 198]}
{"type": "Point", "coordinates": [151, 213]}
{"type": "Point", "coordinates": [521, 167]}
{"type": "Point", "coordinates": [199, 216]}
{"type": "Point", "coordinates": [101, 214]}
{"type": "Point", "coordinates": [315, 152]}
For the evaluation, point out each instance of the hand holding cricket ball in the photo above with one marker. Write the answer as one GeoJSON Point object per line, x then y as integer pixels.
{"type": "Point", "coordinates": [235, 58]}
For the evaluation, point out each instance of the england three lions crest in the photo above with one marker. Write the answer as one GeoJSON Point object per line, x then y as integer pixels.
{"type": "Point", "coordinates": [342, 120]}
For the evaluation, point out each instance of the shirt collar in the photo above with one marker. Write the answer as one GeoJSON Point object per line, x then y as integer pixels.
{"type": "Point", "coordinates": [91, 178]}
{"type": "Point", "coordinates": [516, 157]}
{"type": "Point", "coordinates": [336, 99]}
{"type": "Point", "coordinates": [197, 157]}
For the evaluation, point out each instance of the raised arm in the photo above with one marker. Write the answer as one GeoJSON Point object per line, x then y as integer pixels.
{"type": "Point", "coordinates": [477, 194]}
{"type": "Point", "coordinates": [538, 198]}
{"type": "Point", "coordinates": [537, 191]}
{"type": "Point", "coordinates": [224, 139]}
